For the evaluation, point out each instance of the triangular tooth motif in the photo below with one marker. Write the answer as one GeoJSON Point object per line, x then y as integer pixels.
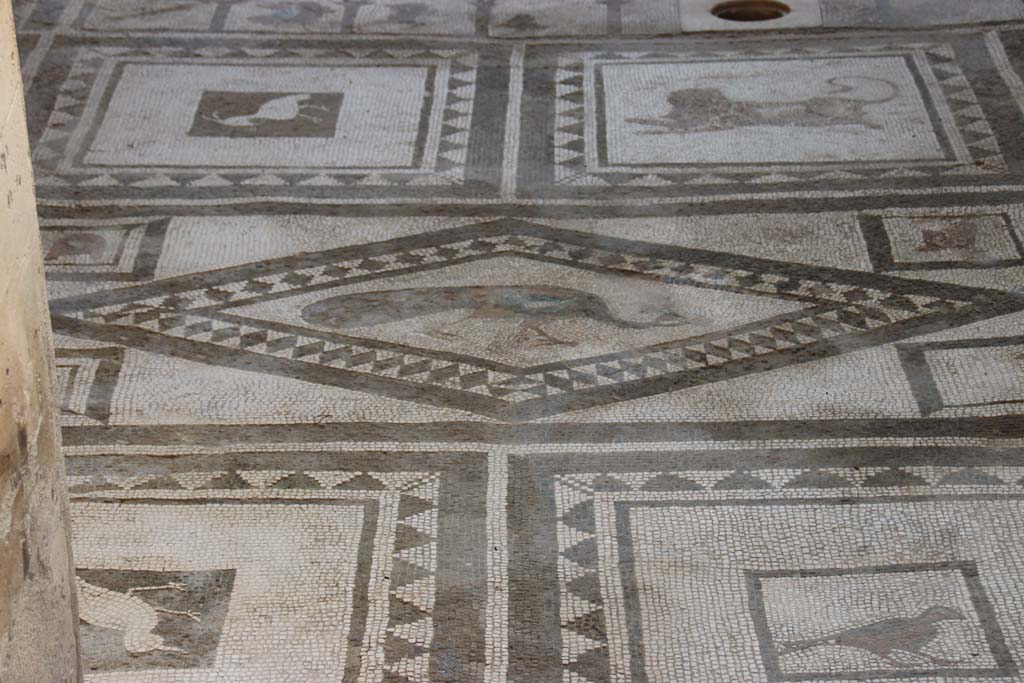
{"type": "Point", "coordinates": [262, 479]}
{"type": "Point", "coordinates": [420, 593]}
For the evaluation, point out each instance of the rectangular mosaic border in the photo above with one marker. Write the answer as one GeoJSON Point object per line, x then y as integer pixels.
{"type": "Point", "coordinates": [967, 50]}
{"type": "Point", "coordinates": [752, 477]}
{"type": "Point", "coordinates": [461, 552]}
{"type": "Point", "coordinates": [468, 165]}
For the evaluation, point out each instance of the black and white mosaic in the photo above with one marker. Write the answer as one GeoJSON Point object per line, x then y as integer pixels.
{"type": "Point", "coordinates": [406, 553]}
{"type": "Point", "coordinates": [201, 118]}
{"type": "Point", "coordinates": [285, 311]}
{"type": "Point", "coordinates": [520, 340]}
{"type": "Point", "coordinates": [805, 570]}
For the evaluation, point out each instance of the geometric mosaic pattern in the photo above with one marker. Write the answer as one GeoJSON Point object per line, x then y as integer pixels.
{"type": "Point", "coordinates": [521, 340]}
{"type": "Point", "coordinates": [935, 370]}
{"type": "Point", "coordinates": [833, 306]}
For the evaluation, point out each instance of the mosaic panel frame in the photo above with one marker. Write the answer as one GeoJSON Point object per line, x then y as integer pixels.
{"type": "Point", "coordinates": [881, 252]}
{"type": "Point", "coordinates": [600, 641]}
{"type": "Point", "coordinates": [562, 171]}
{"type": "Point", "coordinates": [436, 500]}
{"type": "Point", "coordinates": [467, 134]}
{"type": "Point", "coordinates": [136, 261]}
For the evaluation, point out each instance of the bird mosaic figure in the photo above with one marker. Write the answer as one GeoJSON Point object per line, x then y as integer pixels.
{"type": "Point", "coordinates": [888, 638]}
{"type": "Point", "coordinates": [129, 614]}
{"type": "Point", "coordinates": [284, 108]}
{"type": "Point", "coordinates": [532, 306]}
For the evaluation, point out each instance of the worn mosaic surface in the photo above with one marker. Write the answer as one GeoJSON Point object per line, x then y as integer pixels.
{"type": "Point", "coordinates": [498, 341]}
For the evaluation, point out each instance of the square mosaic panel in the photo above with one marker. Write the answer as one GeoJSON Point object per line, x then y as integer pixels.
{"type": "Point", "coordinates": [111, 249]}
{"type": "Point", "coordinates": [854, 570]}
{"type": "Point", "coordinates": [932, 239]}
{"type": "Point", "coordinates": [762, 118]}
{"type": "Point", "coordinates": [194, 119]}
{"type": "Point", "coordinates": [211, 565]}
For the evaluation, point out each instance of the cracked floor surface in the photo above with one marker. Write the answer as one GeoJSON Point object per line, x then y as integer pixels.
{"type": "Point", "coordinates": [502, 341]}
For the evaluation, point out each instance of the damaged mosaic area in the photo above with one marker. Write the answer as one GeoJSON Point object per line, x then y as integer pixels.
{"type": "Point", "coordinates": [496, 340]}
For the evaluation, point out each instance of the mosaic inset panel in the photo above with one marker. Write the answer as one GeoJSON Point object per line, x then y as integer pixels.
{"type": "Point", "coordinates": [267, 114]}
{"type": "Point", "coordinates": [932, 239]}
{"type": "Point", "coordinates": [198, 124]}
{"type": "Point", "coordinates": [449, 17]}
{"type": "Point", "coordinates": [897, 620]}
{"type": "Point", "coordinates": [730, 112]}
{"type": "Point", "coordinates": [111, 249]}
{"type": "Point", "coordinates": [139, 620]}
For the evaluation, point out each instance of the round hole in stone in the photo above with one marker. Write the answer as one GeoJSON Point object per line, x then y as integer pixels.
{"type": "Point", "coordinates": [750, 10]}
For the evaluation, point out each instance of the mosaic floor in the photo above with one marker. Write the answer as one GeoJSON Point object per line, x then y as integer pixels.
{"type": "Point", "coordinates": [494, 340]}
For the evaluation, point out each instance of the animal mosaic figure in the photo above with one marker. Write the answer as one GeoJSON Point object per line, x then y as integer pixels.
{"type": "Point", "coordinates": [698, 110]}
{"type": "Point", "coordinates": [129, 614]}
{"type": "Point", "coordinates": [960, 235]}
{"type": "Point", "coordinates": [533, 306]}
{"type": "Point", "coordinates": [278, 109]}
{"type": "Point", "coordinates": [887, 638]}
